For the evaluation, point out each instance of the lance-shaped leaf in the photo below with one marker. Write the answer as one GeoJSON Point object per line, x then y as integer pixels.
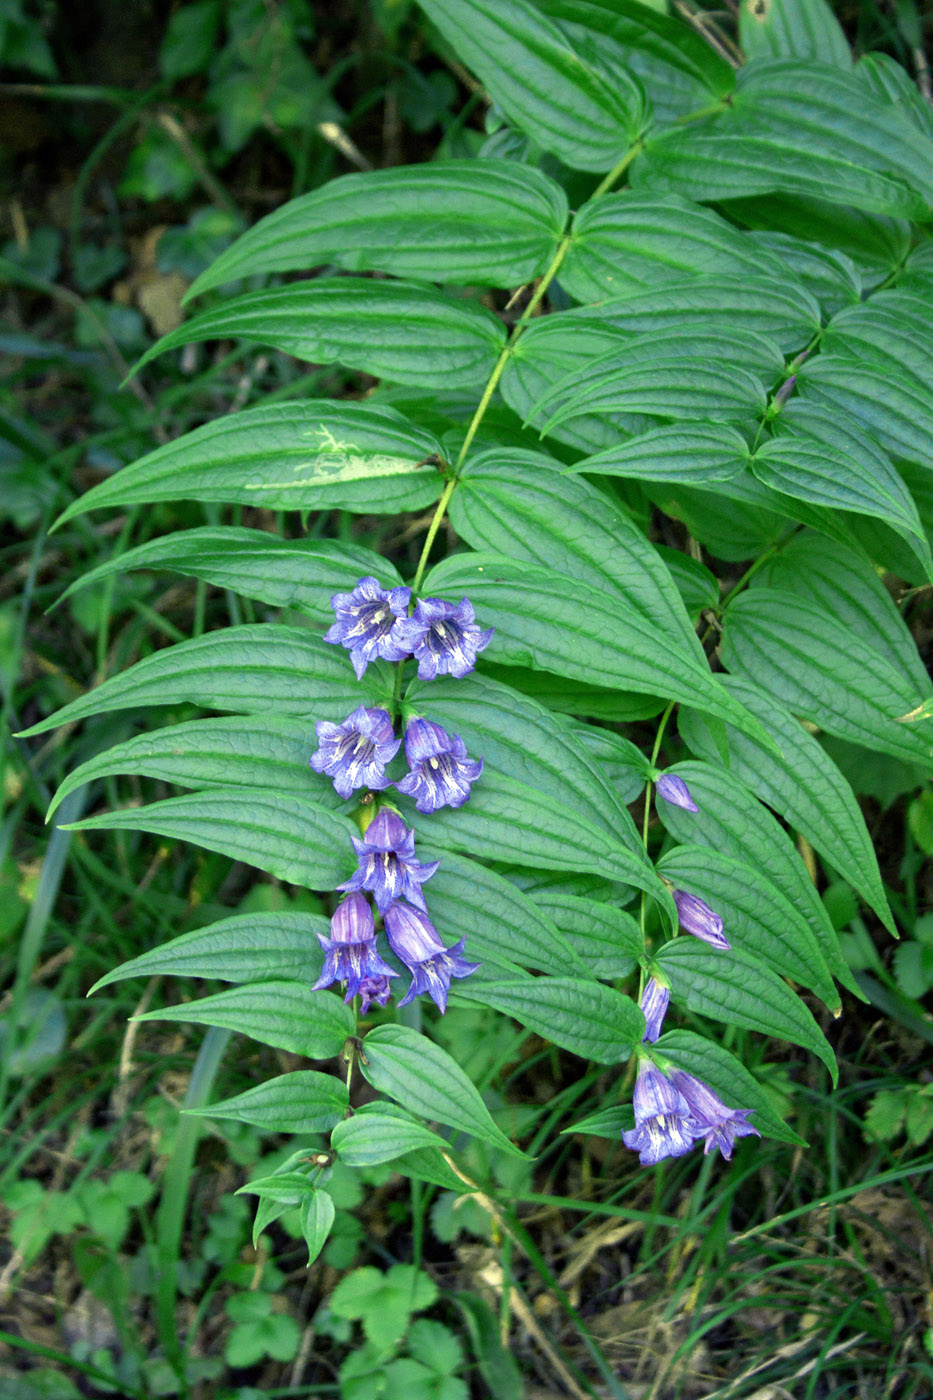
{"type": "Point", "coordinates": [689, 452]}
{"type": "Point", "coordinates": [286, 1015]}
{"type": "Point", "coordinates": [423, 1078]}
{"type": "Point", "coordinates": [372, 1136]}
{"type": "Point", "coordinates": [256, 669]}
{"type": "Point", "coordinates": [801, 783]}
{"type": "Point", "coordinates": [300, 574]}
{"type": "Point", "coordinates": [573, 697]}
{"type": "Point", "coordinates": [304, 1101]}
{"type": "Point", "coordinates": [893, 404]}
{"type": "Point", "coordinates": [316, 1215]}
{"type": "Point", "coordinates": [583, 1016]}
{"type": "Point", "coordinates": [883, 77]}
{"type": "Point", "coordinates": [793, 28]}
{"type": "Point", "coordinates": [208, 753]}
{"type": "Point", "coordinates": [499, 922]}
{"type": "Point", "coordinates": [666, 387]}
{"type": "Point", "coordinates": [490, 222]}
{"type": "Point", "coordinates": [290, 837]}
{"type": "Point", "coordinates": [608, 940]}
{"type": "Point", "coordinates": [523, 740]}
{"type": "Point", "coordinates": [622, 763]}
{"type": "Point", "coordinates": [545, 620]}
{"type": "Point", "coordinates": [555, 90]}
{"type": "Point", "coordinates": [727, 1077]}
{"type": "Point", "coordinates": [823, 673]}
{"type": "Point", "coordinates": [520, 505]}
{"type": "Point", "coordinates": [245, 948]}
{"type": "Point", "coordinates": [756, 915]}
{"type": "Point", "coordinates": [733, 821]}
{"type": "Point", "coordinates": [396, 330]}
{"type": "Point", "coordinates": [627, 241]}
{"type": "Point", "coordinates": [738, 989]}
{"type": "Point", "coordinates": [830, 277]}
{"type": "Point", "coordinates": [292, 456]}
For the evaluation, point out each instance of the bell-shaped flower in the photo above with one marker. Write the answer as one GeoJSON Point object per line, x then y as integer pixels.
{"type": "Point", "coordinates": [374, 991]}
{"type": "Point", "coordinates": [698, 918]}
{"type": "Point", "coordinates": [387, 864]}
{"type": "Point", "coordinates": [655, 1000]}
{"type": "Point", "coordinates": [441, 771]}
{"type": "Point", "coordinates": [663, 1123]}
{"type": "Point", "coordinates": [350, 952]}
{"type": "Point", "coordinates": [443, 637]}
{"type": "Point", "coordinates": [718, 1125]}
{"type": "Point", "coordinates": [675, 791]}
{"type": "Point", "coordinates": [365, 619]}
{"type": "Point", "coordinates": [414, 939]}
{"type": "Point", "coordinates": [355, 753]}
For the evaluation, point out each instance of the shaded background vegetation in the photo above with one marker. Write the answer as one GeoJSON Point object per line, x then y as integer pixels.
{"type": "Point", "coordinates": [138, 140]}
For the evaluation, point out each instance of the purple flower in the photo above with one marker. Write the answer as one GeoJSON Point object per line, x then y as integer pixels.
{"type": "Point", "coordinates": [351, 955]}
{"type": "Point", "coordinates": [365, 619]}
{"type": "Point", "coordinates": [373, 990]}
{"type": "Point", "coordinates": [654, 1002]}
{"type": "Point", "coordinates": [699, 919]}
{"type": "Point", "coordinates": [443, 637]}
{"type": "Point", "coordinates": [355, 753]}
{"type": "Point", "coordinates": [675, 791]}
{"type": "Point", "coordinates": [712, 1120]}
{"type": "Point", "coordinates": [414, 939]}
{"type": "Point", "coordinates": [387, 863]}
{"type": "Point", "coordinates": [663, 1125]}
{"type": "Point", "coordinates": [441, 770]}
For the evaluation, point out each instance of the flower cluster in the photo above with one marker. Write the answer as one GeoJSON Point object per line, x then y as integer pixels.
{"type": "Point", "coordinates": [673, 1111]}
{"type": "Point", "coordinates": [373, 623]}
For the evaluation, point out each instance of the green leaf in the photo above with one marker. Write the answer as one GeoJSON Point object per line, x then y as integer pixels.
{"type": "Point", "coordinates": [800, 127]}
{"type": "Point", "coordinates": [592, 1020]}
{"type": "Point", "coordinates": [665, 387]}
{"type": "Point", "coordinates": [758, 918]}
{"type": "Point", "coordinates": [300, 574]}
{"type": "Point", "coordinates": [512, 821]}
{"type": "Point", "coordinates": [552, 88]}
{"type": "Point", "coordinates": [304, 456]}
{"type": "Point", "coordinates": [793, 29]}
{"type": "Point", "coordinates": [608, 940]}
{"type": "Point", "coordinates": [689, 452]}
{"type": "Point", "coordinates": [520, 505]}
{"type": "Point", "coordinates": [822, 672]}
{"type": "Point", "coordinates": [424, 1079]}
{"type": "Point", "coordinates": [190, 39]}
{"type": "Point", "coordinates": [884, 78]}
{"type": "Point", "coordinates": [489, 222]}
{"type": "Point", "coordinates": [286, 1015]}
{"type": "Point", "coordinates": [877, 245]}
{"type": "Point", "coordinates": [726, 1076]}
{"type": "Point", "coordinates": [384, 1301]}
{"type": "Point", "coordinates": [316, 1216]}
{"type": "Point", "coordinates": [499, 922]}
{"type": "Point", "coordinates": [775, 307]}
{"type": "Point", "coordinates": [287, 1188]}
{"type": "Point", "coordinates": [830, 277]}
{"type": "Point", "coordinates": [290, 837]}
{"type": "Point", "coordinates": [244, 948]}
{"type": "Point", "coordinates": [545, 620]}
{"type": "Point", "coordinates": [803, 785]}
{"type": "Point", "coordinates": [621, 762]}
{"type": "Point", "coordinates": [208, 753]}
{"type": "Point", "coordinates": [737, 988]}
{"type": "Point", "coordinates": [576, 698]}
{"type": "Point", "coordinates": [606, 1123]}
{"type": "Point", "coordinates": [521, 739]}
{"type": "Point", "coordinates": [369, 1138]}
{"type": "Point", "coordinates": [304, 1101]}
{"type": "Point", "coordinates": [396, 330]}
{"type": "Point", "coordinates": [257, 669]}
{"type": "Point", "coordinates": [733, 821]}
{"type": "Point", "coordinates": [626, 242]}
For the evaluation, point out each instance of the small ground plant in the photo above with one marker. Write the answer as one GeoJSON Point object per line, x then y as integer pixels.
{"type": "Point", "coordinates": [648, 381]}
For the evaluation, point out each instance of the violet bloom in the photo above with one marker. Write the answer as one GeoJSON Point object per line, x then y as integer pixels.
{"type": "Point", "coordinates": [712, 1120]}
{"type": "Point", "coordinates": [698, 918]}
{"type": "Point", "coordinates": [663, 1124]}
{"type": "Point", "coordinates": [355, 753]}
{"type": "Point", "coordinates": [675, 791]}
{"type": "Point", "coordinates": [373, 991]}
{"type": "Point", "coordinates": [414, 939]}
{"type": "Point", "coordinates": [441, 770]}
{"type": "Point", "coordinates": [655, 1000]}
{"type": "Point", "coordinates": [443, 637]}
{"type": "Point", "coordinates": [387, 864]}
{"type": "Point", "coordinates": [351, 955]}
{"type": "Point", "coordinates": [365, 619]}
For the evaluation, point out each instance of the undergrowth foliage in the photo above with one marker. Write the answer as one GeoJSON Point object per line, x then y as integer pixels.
{"type": "Point", "coordinates": [726, 291]}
